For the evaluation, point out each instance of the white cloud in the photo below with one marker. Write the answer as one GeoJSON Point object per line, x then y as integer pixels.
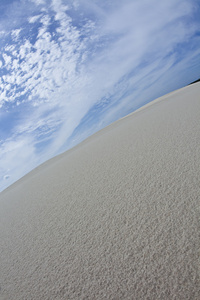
{"type": "Point", "coordinates": [39, 2]}
{"type": "Point", "coordinates": [34, 19]}
{"type": "Point", "coordinates": [15, 34]}
{"type": "Point", "coordinates": [3, 95]}
{"type": "Point", "coordinates": [7, 60]}
{"type": "Point", "coordinates": [6, 177]}
{"type": "Point", "coordinates": [25, 49]}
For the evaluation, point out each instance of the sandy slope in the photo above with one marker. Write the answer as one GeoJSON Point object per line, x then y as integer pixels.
{"type": "Point", "coordinates": [114, 218]}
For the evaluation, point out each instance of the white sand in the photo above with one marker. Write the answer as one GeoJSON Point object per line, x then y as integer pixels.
{"type": "Point", "coordinates": [115, 217]}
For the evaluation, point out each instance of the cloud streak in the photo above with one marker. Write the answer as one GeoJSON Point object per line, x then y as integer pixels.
{"type": "Point", "coordinates": [69, 68]}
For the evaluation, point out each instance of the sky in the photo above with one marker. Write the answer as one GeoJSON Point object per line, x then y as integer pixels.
{"type": "Point", "coordinates": [68, 68]}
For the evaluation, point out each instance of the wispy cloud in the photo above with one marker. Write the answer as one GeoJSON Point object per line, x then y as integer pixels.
{"type": "Point", "coordinates": [68, 68]}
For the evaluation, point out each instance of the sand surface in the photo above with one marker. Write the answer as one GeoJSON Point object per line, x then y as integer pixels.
{"type": "Point", "coordinates": [117, 217]}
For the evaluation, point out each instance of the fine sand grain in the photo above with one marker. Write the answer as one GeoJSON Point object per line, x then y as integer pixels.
{"type": "Point", "coordinates": [117, 217]}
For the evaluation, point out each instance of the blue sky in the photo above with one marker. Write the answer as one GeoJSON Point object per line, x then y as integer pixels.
{"type": "Point", "coordinates": [70, 67]}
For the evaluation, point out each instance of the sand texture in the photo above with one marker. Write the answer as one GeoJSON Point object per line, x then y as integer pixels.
{"type": "Point", "coordinates": [117, 217]}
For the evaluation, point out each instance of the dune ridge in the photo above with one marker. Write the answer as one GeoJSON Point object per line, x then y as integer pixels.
{"type": "Point", "coordinates": [116, 217]}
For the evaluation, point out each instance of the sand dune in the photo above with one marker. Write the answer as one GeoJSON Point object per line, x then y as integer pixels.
{"type": "Point", "coordinates": [114, 218]}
